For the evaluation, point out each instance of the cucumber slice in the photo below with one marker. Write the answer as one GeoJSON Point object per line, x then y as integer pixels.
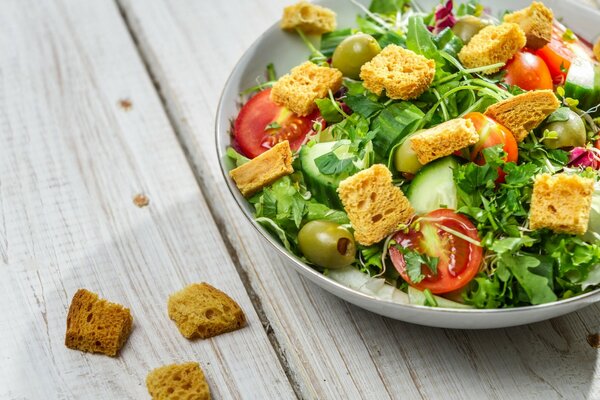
{"type": "Point", "coordinates": [415, 296]}
{"type": "Point", "coordinates": [324, 187]}
{"type": "Point", "coordinates": [434, 187]}
{"type": "Point", "coordinates": [583, 83]}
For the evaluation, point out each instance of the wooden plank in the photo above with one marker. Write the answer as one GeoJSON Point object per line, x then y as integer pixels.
{"type": "Point", "coordinates": [82, 131]}
{"type": "Point", "coordinates": [335, 350]}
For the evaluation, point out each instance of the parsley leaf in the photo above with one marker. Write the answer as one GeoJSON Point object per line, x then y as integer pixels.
{"type": "Point", "coordinates": [330, 164]}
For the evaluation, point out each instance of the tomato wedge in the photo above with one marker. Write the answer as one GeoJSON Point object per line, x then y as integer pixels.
{"type": "Point", "coordinates": [559, 53]}
{"type": "Point", "coordinates": [459, 259]}
{"type": "Point", "coordinates": [491, 133]}
{"type": "Point", "coordinates": [528, 71]}
{"type": "Point", "coordinates": [261, 124]}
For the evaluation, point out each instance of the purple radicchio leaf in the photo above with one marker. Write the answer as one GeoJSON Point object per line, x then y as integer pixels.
{"type": "Point", "coordinates": [582, 157]}
{"type": "Point", "coordinates": [444, 18]}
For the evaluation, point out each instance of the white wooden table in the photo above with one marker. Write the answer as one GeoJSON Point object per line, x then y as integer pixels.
{"type": "Point", "coordinates": [101, 101]}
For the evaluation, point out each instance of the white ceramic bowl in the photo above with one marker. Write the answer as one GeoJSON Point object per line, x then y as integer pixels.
{"type": "Point", "coordinates": [286, 50]}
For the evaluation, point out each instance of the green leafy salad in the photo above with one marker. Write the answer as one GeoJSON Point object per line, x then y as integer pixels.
{"type": "Point", "coordinates": [444, 157]}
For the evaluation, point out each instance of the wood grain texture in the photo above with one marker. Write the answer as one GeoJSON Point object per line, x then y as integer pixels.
{"type": "Point", "coordinates": [82, 132]}
{"type": "Point", "coordinates": [335, 350]}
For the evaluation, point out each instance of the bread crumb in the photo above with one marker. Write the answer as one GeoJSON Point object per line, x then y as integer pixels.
{"type": "Point", "coordinates": [374, 205]}
{"type": "Point", "coordinates": [202, 311]}
{"type": "Point", "coordinates": [141, 200]}
{"type": "Point", "coordinates": [401, 72]}
{"type": "Point", "coordinates": [561, 203]}
{"type": "Point", "coordinates": [125, 104]}
{"type": "Point", "coordinates": [95, 325]}
{"type": "Point", "coordinates": [309, 18]}
{"type": "Point", "coordinates": [178, 381]}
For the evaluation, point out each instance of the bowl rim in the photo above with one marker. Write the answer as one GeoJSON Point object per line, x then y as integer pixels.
{"type": "Point", "coordinates": [303, 268]}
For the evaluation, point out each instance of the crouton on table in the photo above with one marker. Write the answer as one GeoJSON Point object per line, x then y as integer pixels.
{"type": "Point", "coordinates": [374, 205]}
{"type": "Point", "coordinates": [493, 45]}
{"type": "Point", "coordinates": [202, 311]}
{"type": "Point", "coordinates": [305, 83]}
{"type": "Point", "coordinates": [178, 381]}
{"type": "Point", "coordinates": [309, 18]}
{"type": "Point", "coordinates": [96, 325]}
{"type": "Point", "coordinates": [525, 112]}
{"type": "Point", "coordinates": [443, 140]}
{"type": "Point", "coordinates": [561, 203]}
{"type": "Point", "coordinates": [536, 21]}
{"type": "Point", "coordinates": [402, 73]}
{"type": "Point", "coordinates": [264, 169]}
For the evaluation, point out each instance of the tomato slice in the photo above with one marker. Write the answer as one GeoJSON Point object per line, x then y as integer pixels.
{"type": "Point", "coordinates": [261, 124]}
{"type": "Point", "coordinates": [459, 259]}
{"type": "Point", "coordinates": [559, 53]}
{"type": "Point", "coordinates": [528, 71]}
{"type": "Point", "coordinates": [491, 133]}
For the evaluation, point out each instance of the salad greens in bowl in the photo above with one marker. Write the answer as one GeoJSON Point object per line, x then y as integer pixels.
{"type": "Point", "coordinates": [432, 162]}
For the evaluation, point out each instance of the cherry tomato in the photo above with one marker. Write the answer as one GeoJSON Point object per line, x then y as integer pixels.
{"type": "Point", "coordinates": [261, 124]}
{"type": "Point", "coordinates": [491, 133]}
{"type": "Point", "coordinates": [528, 71]}
{"type": "Point", "coordinates": [559, 53]}
{"type": "Point", "coordinates": [459, 259]}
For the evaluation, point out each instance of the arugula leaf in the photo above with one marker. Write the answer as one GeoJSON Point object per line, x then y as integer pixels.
{"type": "Point", "coordinates": [448, 42]}
{"type": "Point", "coordinates": [413, 266]}
{"type": "Point", "coordinates": [328, 110]}
{"type": "Point", "coordinates": [391, 37]}
{"type": "Point", "coordinates": [420, 40]}
{"type": "Point", "coordinates": [560, 115]}
{"type": "Point", "coordinates": [363, 105]}
{"type": "Point", "coordinates": [537, 287]}
{"type": "Point", "coordinates": [330, 164]}
{"type": "Point", "coordinates": [388, 7]}
{"type": "Point", "coordinates": [394, 123]}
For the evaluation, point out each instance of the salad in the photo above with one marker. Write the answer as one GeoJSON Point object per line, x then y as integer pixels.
{"type": "Point", "coordinates": [444, 157]}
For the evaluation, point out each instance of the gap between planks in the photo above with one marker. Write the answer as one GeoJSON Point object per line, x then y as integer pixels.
{"type": "Point", "coordinates": [254, 298]}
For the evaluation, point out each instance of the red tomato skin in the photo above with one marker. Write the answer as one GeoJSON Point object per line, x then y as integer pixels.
{"type": "Point", "coordinates": [249, 131]}
{"type": "Point", "coordinates": [528, 71]}
{"type": "Point", "coordinates": [558, 54]}
{"type": "Point", "coordinates": [491, 133]}
{"type": "Point", "coordinates": [461, 263]}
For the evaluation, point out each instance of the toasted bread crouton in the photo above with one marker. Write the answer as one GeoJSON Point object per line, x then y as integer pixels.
{"type": "Point", "coordinates": [520, 114]}
{"type": "Point", "coordinates": [443, 139]}
{"type": "Point", "coordinates": [597, 49]}
{"type": "Point", "coordinates": [178, 381]}
{"type": "Point", "coordinates": [561, 203]}
{"type": "Point", "coordinates": [309, 18]}
{"type": "Point", "coordinates": [402, 73]}
{"type": "Point", "coordinates": [96, 325]}
{"type": "Point", "coordinates": [492, 45]}
{"type": "Point", "coordinates": [264, 169]}
{"type": "Point", "coordinates": [306, 83]}
{"type": "Point", "coordinates": [202, 311]}
{"type": "Point", "coordinates": [374, 205]}
{"type": "Point", "coordinates": [536, 21]}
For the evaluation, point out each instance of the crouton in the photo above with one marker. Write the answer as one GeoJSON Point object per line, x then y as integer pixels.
{"type": "Point", "coordinates": [520, 114]}
{"type": "Point", "coordinates": [309, 18]}
{"type": "Point", "coordinates": [536, 21]}
{"type": "Point", "coordinates": [561, 203]}
{"type": "Point", "coordinates": [178, 381]}
{"type": "Point", "coordinates": [305, 83]}
{"type": "Point", "coordinates": [96, 325]}
{"type": "Point", "coordinates": [402, 73]}
{"type": "Point", "coordinates": [443, 140]}
{"type": "Point", "coordinates": [597, 49]}
{"type": "Point", "coordinates": [374, 205]}
{"type": "Point", "coordinates": [264, 169]}
{"type": "Point", "coordinates": [202, 311]}
{"type": "Point", "coordinates": [493, 45]}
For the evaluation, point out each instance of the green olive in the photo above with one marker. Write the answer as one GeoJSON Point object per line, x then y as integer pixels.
{"type": "Point", "coordinates": [571, 133]}
{"type": "Point", "coordinates": [327, 244]}
{"type": "Point", "coordinates": [468, 26]}
{"type": "Point", "coordinates": [405, 158]}
{"type": "Point", "coordinates": [353, 52]}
